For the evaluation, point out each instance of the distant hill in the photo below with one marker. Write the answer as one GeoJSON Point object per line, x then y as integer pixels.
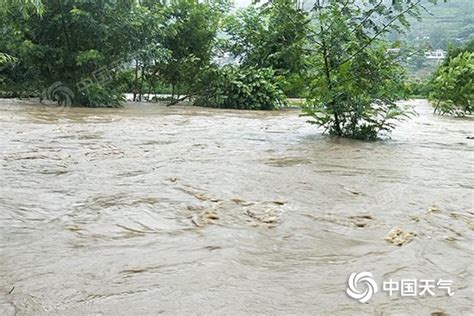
{"type": "Point", "coordinates": [448, 22]}
{"type": "Point", "coordinates": [451, 21]}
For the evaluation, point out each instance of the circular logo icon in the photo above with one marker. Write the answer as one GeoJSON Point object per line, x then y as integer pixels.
{"type": "Point", "coordinates": [59, 93]}
{"type": "Point", "coordinates": [361, 279]}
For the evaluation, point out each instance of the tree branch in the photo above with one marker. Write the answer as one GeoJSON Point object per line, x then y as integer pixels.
{"type": "Point", "coordinates": [372, 39]}
{"type": "Point", "coordinates": [371, 11]}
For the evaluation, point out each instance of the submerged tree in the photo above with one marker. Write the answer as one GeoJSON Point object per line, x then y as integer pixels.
{"type": "Point", "coordinates": [192, 35]}
{"type": "Point", "coordinates": [355, 82]}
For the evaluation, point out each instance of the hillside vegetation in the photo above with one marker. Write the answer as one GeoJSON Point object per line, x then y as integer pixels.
{"type": "Point", "coordinates": [447, 22]}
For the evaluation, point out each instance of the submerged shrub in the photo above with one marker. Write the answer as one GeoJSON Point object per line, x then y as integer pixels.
{"type": "Point", "coordinates": [242, 88]}
{"type": "Point", "coordinates": [97, 95]}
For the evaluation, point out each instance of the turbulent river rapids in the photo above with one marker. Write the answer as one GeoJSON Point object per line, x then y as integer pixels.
{"type": "Point", "coordinates": [148, 210]}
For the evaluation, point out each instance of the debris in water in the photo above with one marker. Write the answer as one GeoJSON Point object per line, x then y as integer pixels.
{"type": "Point", "coordinates": [206, 217]}
{"type": "Point", "coordinates": [173, 179]}
{"type": "Point", "coordinates": [241, 202]}
{"type": "Point", "coordinates": [133, 230]}
{"type": "Point", "coordinates": [201, 197]}
{"type": "Point", "coordinates": [212, 248]}
{"type": "Point", "coordinates": [212, 215]}
{"type": "Point", "coordinates": [451, 238]}
{"type": "Point", "coordinates": [433, 209]}
{"type": "Point", "coordinates": [196, 221]}
{"type": "Point", "coordinates": [399, 237]}
{"type": "Point", "coordinates": [265, 216]}
{"type": "Point", "coordinates": [352, 191]}
{"type": "Point", "coordinates": [362, 220]}
{"type": "Point", "coordinates": [194, 208]}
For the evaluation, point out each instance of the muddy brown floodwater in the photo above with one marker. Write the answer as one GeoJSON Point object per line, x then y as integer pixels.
{"type": "Point", "coordinates": [146, 209]}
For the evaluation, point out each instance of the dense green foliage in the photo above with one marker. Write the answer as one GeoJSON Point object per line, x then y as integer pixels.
{"type": "Point", "coordinates": [243, 88]}
{"type": "Point", "coordinates": [452, 86]}
{"type": "Point", "coordinates": [82, 52]}
{"type": "Point", "coordinates": [417, 89]}
{"type": "Point", "coordinates": [190, 41]}
{"type": "Point", "coordinates": [272, 36]}
{"type": "Point", "coordinates": [23, 7]}
{"type": "Point", "coordinates": [335, 54]}
{"type": "Point", "coordinates": [70, 43]}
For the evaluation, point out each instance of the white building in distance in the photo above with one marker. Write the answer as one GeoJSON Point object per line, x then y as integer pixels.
{"type": "Point", "coordinates": [436, 56]}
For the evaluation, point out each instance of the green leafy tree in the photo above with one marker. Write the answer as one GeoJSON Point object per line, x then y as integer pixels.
{"type": "Point", "coordinates": [190, 39]}
{"type": "Point", "coordinates": [452, 85]}
{"type": "Point", "coordinates": [146, 30]}
{"type": "Point", "coordinates": [272, 35]}
{"type": "Point", "coordinates": [78, 43]}
{"type": "Point", "coordinates": [23, 7]}
{"type": "Point", "coordinates": [355, 82]}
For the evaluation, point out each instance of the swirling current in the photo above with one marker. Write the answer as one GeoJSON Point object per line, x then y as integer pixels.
{"type": "Point", "coordinates": [148, 210]}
